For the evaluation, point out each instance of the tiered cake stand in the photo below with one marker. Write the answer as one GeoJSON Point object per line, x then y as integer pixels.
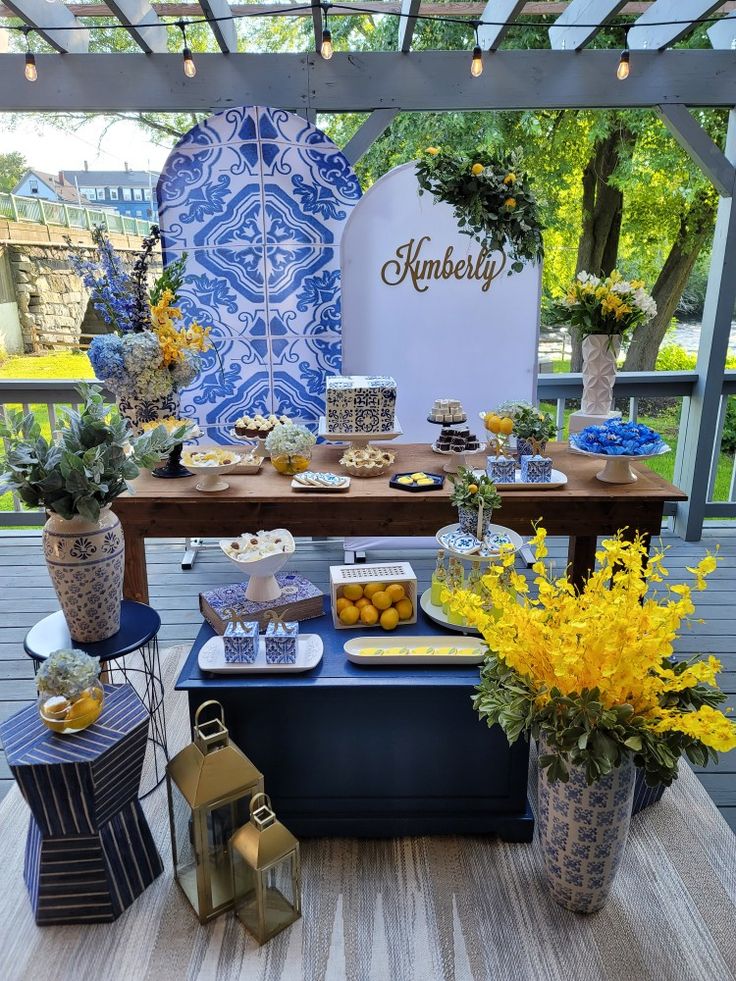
{"type": "Point", "coordinates": [456, 459]}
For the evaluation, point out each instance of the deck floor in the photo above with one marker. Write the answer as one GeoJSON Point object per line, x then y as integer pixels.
{"type": "Point", "coordinates": [26, 595]}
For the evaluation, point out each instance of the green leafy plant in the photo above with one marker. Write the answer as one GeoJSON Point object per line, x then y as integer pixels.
{"type": "Point", "coordinates": [491, 198]}
{"type": "Point", "coordinates": [532, 423]}
{"type": "Point", "coordinates": [86, 464]}
{"type": "Point", "coordinates": [470, 490]}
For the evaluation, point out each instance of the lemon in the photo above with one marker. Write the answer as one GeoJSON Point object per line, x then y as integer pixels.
{"type": "Point", "coordinates": [389, 619]}
{"type": "Point", "coordinates": [352, 591]}
{"type": "Point", "coordinates": [381, 600]}
{"type": "Point", "coordinates": [85, 710]}
{"type": "Point", "coordinates": [371, 587]}
{"type": "Point", "coordinates": [492, 422]}
{"type": "Point", "coordinates": [369, 615]}
{"type": "Point", "coordinates": [349, 616]}
{"type": "Point", "coordinates": [341, 604]}
{"type": "Point", "coordinates": [396, 591]}
{"type": "Point", "coordinates": [363, 601]}
{"type": "Point", "coordinates": [506, 426]}
{"type": "Point", "coordinates": [404, 608]}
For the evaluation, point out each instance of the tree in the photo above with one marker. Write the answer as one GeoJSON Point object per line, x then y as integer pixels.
{"type": "Point", "coordinates": [12, 167]}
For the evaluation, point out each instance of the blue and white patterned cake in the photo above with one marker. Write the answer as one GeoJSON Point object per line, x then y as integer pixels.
{"type": "Point", "coordinates": [536, 469]}
{"type": "Point", "coordinates": [281, 641]}
{"type": "Point", "coordinates": [360, 404]}
{"type": "Point", "coordinates": [241, 642]}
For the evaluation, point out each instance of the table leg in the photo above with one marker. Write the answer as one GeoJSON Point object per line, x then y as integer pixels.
{"type": "Point", "coordinates": [580, 558]}
{"type": "Point", "coordinates": [135, 585]}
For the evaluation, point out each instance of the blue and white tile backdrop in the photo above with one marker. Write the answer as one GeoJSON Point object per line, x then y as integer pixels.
{"type": "Point", "coordinates": [258, 199]}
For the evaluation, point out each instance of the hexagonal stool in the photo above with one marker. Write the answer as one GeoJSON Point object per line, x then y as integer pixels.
{"type": "Point", "coordinates": [89, 851]}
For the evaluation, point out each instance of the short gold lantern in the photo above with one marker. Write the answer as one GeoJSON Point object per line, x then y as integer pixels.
{"type": "Point", "coordinates": [266, 873]}
{"type": "Point", "coordinates": [210, 784]}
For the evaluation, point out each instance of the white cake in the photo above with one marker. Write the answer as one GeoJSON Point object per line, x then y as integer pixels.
{"type": "Point", "coordinates": [360, 404]}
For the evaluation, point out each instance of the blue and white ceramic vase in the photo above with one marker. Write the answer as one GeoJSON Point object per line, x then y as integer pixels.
{"type": "Point", "coordinates": [468, 520]}
{"type": "Point", "coordinates": [86, 561]}
{"type": "Point", "coordinates": [138, 410]}
{"type": "Point", "coordinates": [582, 833]}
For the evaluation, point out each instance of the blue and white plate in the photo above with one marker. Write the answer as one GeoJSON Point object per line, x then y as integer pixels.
{"type": "Point", "coordinates": [320, 481]}
{"type": "Point", "coordinates": [463, 545]}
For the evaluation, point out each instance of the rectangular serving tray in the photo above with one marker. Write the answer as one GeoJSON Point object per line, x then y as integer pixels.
{"type": "Point", "coordinates": [559, 479]}
{"type": "Point", "coordinates": [474, 647]}
{"type": "Point", "coordinates": [309, 650]}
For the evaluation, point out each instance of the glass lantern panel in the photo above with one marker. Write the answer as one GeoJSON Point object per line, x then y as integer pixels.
{"type": "Point", "coordinates": [185, 859]}
{"type": "Point", "coordinates": [222, 823]}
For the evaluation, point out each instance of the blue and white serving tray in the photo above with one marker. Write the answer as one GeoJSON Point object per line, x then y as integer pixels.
{"type": "Point", "coordinates": [463, 545]}
{"type": "Point", "coordinates": [309, 651]}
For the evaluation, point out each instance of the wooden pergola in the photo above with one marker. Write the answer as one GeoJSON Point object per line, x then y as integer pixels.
{"type": "Point", "coordinates": [567, 75]}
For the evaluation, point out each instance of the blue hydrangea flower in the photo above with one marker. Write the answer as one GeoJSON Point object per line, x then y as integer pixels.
{"type": "Point", "coordinates": [141, 352]}
{"type": "Point", "coordinates": [617, 438]}
{"type": "Point", "coordinates": [106, 357]}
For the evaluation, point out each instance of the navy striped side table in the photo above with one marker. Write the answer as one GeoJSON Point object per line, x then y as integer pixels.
{"type": "Point", "coordinates": [89, 851]}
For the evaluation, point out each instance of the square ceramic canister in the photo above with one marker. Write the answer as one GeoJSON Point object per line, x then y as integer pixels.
{"type": "Point", "coordinates": [282, 637]}
{"type": "Point", "coordinates": [241, 642]}
{"type": "Point", "coordinates": [501, 469]}
{"type": "Point", "coordinates": [536, 469]}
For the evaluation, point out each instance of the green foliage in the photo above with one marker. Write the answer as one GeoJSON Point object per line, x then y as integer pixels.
{"type": "Point", "coordinates": [12, 167]}
{"type": "Point", "coordinates": [533, 423]}
{"type": "Point", "coordinates": [490, 197]}
{"type": "Point", "coordinates": [470, 490]}
{"type": "Point", "coordinates": [728, 443]}
{"type": "Point", "coordinates": [86, 464]}
{"type": "Point", "coordinates": [172, 278]}
{"type": "Point", "coordinates": [673, 357]}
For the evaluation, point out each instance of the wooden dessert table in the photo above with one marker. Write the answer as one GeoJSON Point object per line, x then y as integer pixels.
{"type": "Point", "coordinates": [583, 509]}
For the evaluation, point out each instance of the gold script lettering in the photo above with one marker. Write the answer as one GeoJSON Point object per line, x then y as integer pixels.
{"type": "Point", "coordinates": [409, 264]}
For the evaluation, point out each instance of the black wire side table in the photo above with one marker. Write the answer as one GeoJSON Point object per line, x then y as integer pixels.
{"type": "Point", "coordinates": [130, 656]}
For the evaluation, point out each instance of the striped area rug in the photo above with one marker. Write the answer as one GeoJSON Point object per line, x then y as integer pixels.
{"type": "Point", "coordinates": [412, 909]}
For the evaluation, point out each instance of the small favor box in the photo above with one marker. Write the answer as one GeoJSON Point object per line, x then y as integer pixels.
{"type": "Point", "coordinates": [501, 469]}
{"type": "Point", "coordinates": [281, 641]}
{"type": "Point", "coordinates": [241, 642]}
{"type": "Point", "coordinates": [360, 404]}
{"type": "Point", "coordinates": [536, 469]}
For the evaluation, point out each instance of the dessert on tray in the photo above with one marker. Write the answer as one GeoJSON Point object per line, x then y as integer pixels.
{"type": "Point", "coordinates": [366, 461]}
{"type": "Point", "coordinates": [447, 411]}
{"type": "Point", "coordinates": [360, 404]}
{"type": "Point", "coordinates": [257, 426]}
{"type": "Point", "coordinates": [211, 457]}
{"type": "Point", "coordinates": [249, 547]}
{"type": "Point", "coordinates": [457, 440]}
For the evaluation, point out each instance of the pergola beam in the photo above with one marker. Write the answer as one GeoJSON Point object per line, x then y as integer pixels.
{"type": "Point", "coordinates": [143, 24]}
{"type": "Point", "coordinates": [646, 34]}
{"type": "Point", "coordinates": [45, 15]}
{"type": "Point", "coordinates": [363, 81]}
{"type": "Point", "coordinates": [723, 34]}
{"type": "Point", "coordinates": [223, 30]}
{"type": "Point", "coordinates": [374, 126]}
{"type": "Point", "coordinates": [407, 23]}
{"type": "Point", "coordinates": [697, 143]}
{"type": "Point", "coordinates": [566, 34]}
{"type": "Point", "coordinates": [316, 12]}
{"type": "Point", "coordinates": [502, 12]}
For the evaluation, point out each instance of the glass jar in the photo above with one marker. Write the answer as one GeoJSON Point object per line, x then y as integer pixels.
{"type": "Point", "coordinates": [66, 715]}
{"type": "Point", "coordinates": [291, 463]}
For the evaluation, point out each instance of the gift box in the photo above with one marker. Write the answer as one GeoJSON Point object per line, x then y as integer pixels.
{"type": "Point", "coordinates": [281, 641]}
{"type": "Point", "coordinates": [360, 404]}
{"type": "Point", "coordinates": [501, 469]}
{"type": "Point", "coordinates": [536, 469]}
{"type": "Point", "coordinates": [241, 642]}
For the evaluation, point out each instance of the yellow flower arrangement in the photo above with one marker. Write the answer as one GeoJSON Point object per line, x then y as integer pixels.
{"type": "Point", "coordinates": [176, 341]}
{"type": "Point", "coordinates": [592, 668]}
{"type": "Point", "coordinates": [604, 306]}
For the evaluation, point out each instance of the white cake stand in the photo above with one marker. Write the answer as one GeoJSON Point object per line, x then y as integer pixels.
{"type": "Point", "coordinates": [210, 478]}
{"type": "Point", "coordinates": [458, 459]}
{"type": "Point", "coordinates": [263, 586]}
{"type": "Point", "coordinates": [618, 468]}
{"type": "Point", "coordinates": [357, 439]}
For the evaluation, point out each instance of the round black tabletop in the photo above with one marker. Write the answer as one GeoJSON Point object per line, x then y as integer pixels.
{"type": "Point", "coordinates": [139, 623]}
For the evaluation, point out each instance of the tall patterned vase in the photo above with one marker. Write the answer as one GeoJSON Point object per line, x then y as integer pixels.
{"type": "Point", "coordinates": [137, 410]}
{"type": "Point", "coordinates": [86, 562]}
{"type": "Point", "coordinates": [582, 833]}
{"type": "Point", "coordinates": [600, 352]}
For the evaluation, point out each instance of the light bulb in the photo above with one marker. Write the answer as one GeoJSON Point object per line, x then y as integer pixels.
{"type": "Point", "coordinates": [326, 49]}
{"type": "Point", "coordinates": [623, 69]}
{"type": "Point", "coordinates": [476, 65]}
{"type": "Point", "coordinates": [30, 69]}
{"type": "Point", "coordinates": [190, 69]}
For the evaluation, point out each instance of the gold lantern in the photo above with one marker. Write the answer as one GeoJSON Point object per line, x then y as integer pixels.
{"type": "Point", "coordinates": [210, 784]}
{"type": "Point", "coordinates": [266, 872]}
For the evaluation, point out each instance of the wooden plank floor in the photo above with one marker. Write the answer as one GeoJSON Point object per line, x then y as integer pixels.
{"type": "Point", "coordinates": [26, 595]}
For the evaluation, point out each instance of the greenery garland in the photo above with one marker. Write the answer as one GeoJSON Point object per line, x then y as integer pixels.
{"type": "Point", "coordinates": [491, 198]}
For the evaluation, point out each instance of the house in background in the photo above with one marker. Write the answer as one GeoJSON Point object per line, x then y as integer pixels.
{"type": "Point", "coordinates": [129, 192]}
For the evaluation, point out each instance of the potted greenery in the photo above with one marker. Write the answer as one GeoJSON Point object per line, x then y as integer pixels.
{"type": "Point", "coordinates": [471, 493]}
{"type": "Point", "coordinates": [589, 674]}
{"type": "Point", "coordinates": [533, 430]}
{"type": "Point", "coordinates": [75, 476]}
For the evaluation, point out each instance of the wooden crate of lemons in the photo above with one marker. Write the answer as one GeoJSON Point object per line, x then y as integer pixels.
{"type": "Point", "coordinates": [373, 595]}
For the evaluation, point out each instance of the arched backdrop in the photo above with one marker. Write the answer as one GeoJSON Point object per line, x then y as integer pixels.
{"type": "Point", "coordinates": [257, 198]}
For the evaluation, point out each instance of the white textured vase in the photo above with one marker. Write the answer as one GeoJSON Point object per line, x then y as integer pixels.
{"type": "Point", "coordinates": [599, 372]}
{"type": "Point", "coordinates": [138, 411]}
{"type": "Point", "coordinates": [86, 561]}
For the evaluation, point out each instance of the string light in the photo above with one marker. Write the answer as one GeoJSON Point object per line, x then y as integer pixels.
{"type": "Point", "coordinates": [476, 65]}
{"type": "Point", "coordinates": [190, 69]}
{"type": "Point", "coordinates": [326, 48]}
{"type": "Point", "coordinates": [30, 71]}
{"type": "Point", "coordinates": [623, 69]}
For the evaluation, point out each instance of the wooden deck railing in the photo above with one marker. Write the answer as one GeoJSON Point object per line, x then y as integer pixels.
{"type": "Point", "coordinates": [49, 396]}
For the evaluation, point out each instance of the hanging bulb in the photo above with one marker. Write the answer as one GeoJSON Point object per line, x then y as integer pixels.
{"type": "Point", "coordinates": [476, 65]}
{"type": "Point", "coordinates": [30, 70]}
{"type": "Point", "coordinates": [326, 49]}
{"type": "Point", "coordinates": [190, 69]}
{"type": "Point", "coordinates": [622, 71]}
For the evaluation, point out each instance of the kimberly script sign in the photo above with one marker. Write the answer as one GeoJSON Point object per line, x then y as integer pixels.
{"type": "Point", "coordinates": [411, 265]}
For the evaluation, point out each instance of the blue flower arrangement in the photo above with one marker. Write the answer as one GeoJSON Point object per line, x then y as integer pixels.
{"type": "Point", "coordinates": [617, 438]}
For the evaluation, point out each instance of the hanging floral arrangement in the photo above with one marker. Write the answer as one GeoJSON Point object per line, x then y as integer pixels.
{"type": "Point", "coordinates": [491, 198]}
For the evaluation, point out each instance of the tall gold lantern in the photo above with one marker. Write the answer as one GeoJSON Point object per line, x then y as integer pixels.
{"type": "Point", "coordinates": [210, 785]}
{"type": "Point", "coordinates": [266, 873]}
